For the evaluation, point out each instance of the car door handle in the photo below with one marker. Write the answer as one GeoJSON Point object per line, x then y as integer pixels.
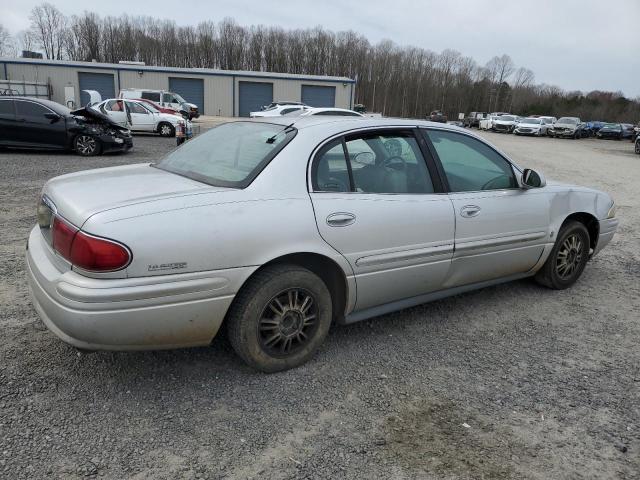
{"type": "Point", "coordinates": [469, 211]}
{"type": "Point", "coordinates": [340, 219]}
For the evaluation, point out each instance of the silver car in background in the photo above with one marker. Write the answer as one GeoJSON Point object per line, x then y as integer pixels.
{"type": "Point", "coordinates": [276, 228]}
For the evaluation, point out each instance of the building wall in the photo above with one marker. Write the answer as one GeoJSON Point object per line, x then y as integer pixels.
{"type": "Point", "coordinates": [292, 90]}
{"type": "Point", "coordinates": [220, 96]}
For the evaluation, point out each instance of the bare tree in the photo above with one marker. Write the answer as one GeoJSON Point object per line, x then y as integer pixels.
{"type": "Point", "coordinates": [7, 45]}
{"type": "Point", "coordinates": [48, 26]}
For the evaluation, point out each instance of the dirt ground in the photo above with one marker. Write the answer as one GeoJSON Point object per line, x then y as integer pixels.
{"type": "Point", "coordinates": [509, 382]}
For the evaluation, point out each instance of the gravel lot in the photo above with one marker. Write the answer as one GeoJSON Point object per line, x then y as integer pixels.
{"type": "Point", "coordinates": [548, 382]}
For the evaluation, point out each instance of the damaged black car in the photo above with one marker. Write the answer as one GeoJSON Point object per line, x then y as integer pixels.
{"type": "Point", "coordinates": [34, 123]}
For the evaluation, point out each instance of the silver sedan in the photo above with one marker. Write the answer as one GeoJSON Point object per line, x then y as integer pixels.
{"type": "Point", "coordinates": [276, 229]}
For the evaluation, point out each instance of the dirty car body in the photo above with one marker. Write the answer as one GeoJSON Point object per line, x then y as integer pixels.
{"type": "Point", "coordinates": [383, 213]}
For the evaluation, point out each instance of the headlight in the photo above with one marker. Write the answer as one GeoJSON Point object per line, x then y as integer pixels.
{"type": "Point", "coordinates": [612, 211]}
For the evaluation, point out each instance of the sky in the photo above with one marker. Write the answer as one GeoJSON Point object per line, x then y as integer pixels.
{"type": "Point", "coordinates": [574, 44]}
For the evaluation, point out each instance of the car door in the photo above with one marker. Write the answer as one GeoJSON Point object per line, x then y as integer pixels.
{"type": "Point", "coordinates": [380, 204]}
{"type": "Point", "coordinates": [115, 110]}
{"type": "Point", "coordinates": [141, 118]}
{"type": "Point", "coordinates": [501, 229]}
{"type": "Point", "coordinates": [35, 129]}
{"type": "Point", "coordinates": [7, 122]}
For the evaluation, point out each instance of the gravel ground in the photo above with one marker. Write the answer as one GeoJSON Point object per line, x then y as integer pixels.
{"type": "Point", "coordinates": [513, 381]}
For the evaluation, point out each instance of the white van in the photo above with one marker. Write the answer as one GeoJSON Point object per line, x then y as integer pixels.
{"type": "Point", "coordinates": [163, 98]}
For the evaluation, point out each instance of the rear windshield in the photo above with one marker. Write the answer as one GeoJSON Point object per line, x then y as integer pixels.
{"type": "Point", "coordinates": [230, 155]}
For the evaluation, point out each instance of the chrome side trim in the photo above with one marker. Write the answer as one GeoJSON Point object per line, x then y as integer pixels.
{"type": "Point", "coordinates": [498, 241]}
{"type": "Point", "coordinates": [429, 297]}
{"type": "Point", "coordinates": [404, 255]}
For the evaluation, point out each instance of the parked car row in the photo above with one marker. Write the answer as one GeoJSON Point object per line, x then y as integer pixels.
{"type": "Point", "coordinates": [538, 125]}
{"type": "Point", "coordinates": [296, 109]}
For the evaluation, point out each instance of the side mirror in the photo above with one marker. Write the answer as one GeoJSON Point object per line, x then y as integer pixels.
{"type": "Point", "coordinates": [54, 117]}
{"type": "Point", "coordinates": [364, 158]}
{"type": "Point", "coordinates": [532, 179]}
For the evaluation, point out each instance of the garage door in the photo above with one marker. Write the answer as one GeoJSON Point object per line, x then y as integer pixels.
{"type": "Point", "coordinates": [315, 96]}
{"type": "Point", "coordinates": [191, 89]}
{"type": "Point", "coordinates": [100, 82]}
{"type": "Point", "coordinates": [254, 96]}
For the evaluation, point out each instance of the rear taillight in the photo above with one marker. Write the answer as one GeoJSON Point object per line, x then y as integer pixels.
{"type": "Point", "coordinates": [87, 252]}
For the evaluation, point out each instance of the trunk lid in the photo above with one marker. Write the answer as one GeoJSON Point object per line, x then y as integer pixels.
{"type": "Point", "coordinates": [78, 196]}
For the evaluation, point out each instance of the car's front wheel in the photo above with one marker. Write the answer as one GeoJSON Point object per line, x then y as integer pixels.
{"type": "Point", "coordinates": [638, 147]}
{"type": "Point", "coordinates": [280, 318]}
{"type": "Point", "coordinates": [166, 130]}
{"type": "Point", "coordinates": [567, 259]}
{"type": "Point", "coordinates": [86, 145]}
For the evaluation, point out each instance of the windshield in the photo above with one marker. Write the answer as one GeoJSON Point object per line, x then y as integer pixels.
{"type": "Point", "coordinates": [571, 120]}
{"type": "Point", "coordinates": [612, 126]}
{"type": "Point", "coordinates": [230, 155]}
{"type": "Point", "coordinates": [506, 118]}
{"type": "Point", "coordinates": [531, 121]}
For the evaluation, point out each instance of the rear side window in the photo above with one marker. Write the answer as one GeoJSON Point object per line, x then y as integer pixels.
{"type": "Point", "coordinates": [30, 109]}
{"type": "Point", "coordinates": [331, 171]}
{"type": "Point", "coordinates": [6, 109]}
{"type": "Point", "coordinates": [153, 96]}
{"type": "Point", "coordinates": [230, 155]}
{"type": "Point", "coordinates": [388, 162]}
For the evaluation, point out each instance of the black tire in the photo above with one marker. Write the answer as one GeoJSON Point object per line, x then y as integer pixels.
{"type": "Point", "coordinates": [87, 145]}
{"type": "Point", "coordinates": [637, 148]}
{"type": "Point", "coordinates": [165, 129]}
{"type": "Point", "coordinates": [264, 318]}
{"type": "Point", "coordinates": [552, 275]}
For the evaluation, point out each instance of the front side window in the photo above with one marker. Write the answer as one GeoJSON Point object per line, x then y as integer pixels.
{"type": "Point", "coordinates": [469, 164]}
{"type": "Point", "coordinates": [384, 162]}
{"type": "Point", "coordinates": [230, 155]}
{"type": "Point", "coordinates": [289, 110]}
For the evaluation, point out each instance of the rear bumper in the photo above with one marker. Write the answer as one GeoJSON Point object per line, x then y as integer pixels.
{"type": "Point", "coordinates": [608, 229]}
{"type": "Point", "coordinates": [167, 311]}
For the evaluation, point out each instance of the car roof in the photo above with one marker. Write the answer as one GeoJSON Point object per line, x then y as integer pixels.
{"type": "Point", "coordinates": [56, 107]}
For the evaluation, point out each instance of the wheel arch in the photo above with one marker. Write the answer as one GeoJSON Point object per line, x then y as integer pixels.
{"type": "Point", "coordinates": [324, 267]}
{"type": "Point", "coordinates": [590, 222]}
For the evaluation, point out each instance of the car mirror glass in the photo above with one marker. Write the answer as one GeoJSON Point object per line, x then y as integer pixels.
{"type": "Point", "coordinates": [364, 158]}
{"type": "Point", "coordinates": [532, 179]}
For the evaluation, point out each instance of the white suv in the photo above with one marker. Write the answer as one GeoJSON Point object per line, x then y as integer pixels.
{"type": "Point", "coordinates": [162, 98]}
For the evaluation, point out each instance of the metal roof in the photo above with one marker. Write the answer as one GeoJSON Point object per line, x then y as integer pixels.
{"type": "Point", "coordinates": [179, 70]}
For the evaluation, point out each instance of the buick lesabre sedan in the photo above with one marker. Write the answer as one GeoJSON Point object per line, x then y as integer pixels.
{"type": "Point", "coordinates": [276, 229]}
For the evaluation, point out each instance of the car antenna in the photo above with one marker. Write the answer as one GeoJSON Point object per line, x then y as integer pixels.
{"type": "Point", "coordinates": [273, 138]}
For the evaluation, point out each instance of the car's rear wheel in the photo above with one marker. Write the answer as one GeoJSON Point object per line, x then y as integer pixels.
{"type": "Point", "coordinates": [166, 130]}
{"type": "Point", "coordinates": [567, 259]}
{"type": "Point", "coordinates": [638, 147]}
{"type": "Point", "coordinates": [280, 318]}
{"type": "Point", "coordinates": [86, 145]}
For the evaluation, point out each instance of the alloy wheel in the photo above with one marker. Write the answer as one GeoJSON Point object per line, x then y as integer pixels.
{"type": "Point", "coordinates": [288, 322]}
{"type": "Point", "coordinates": [165, 130]}
{"type": "Point", "coordinates": [86, 145]}
{"type": "Point", "coordinates": [569, 256]}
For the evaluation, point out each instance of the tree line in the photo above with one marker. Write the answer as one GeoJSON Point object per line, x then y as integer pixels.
{"type": "Point", "coordinates": [391, 79]}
